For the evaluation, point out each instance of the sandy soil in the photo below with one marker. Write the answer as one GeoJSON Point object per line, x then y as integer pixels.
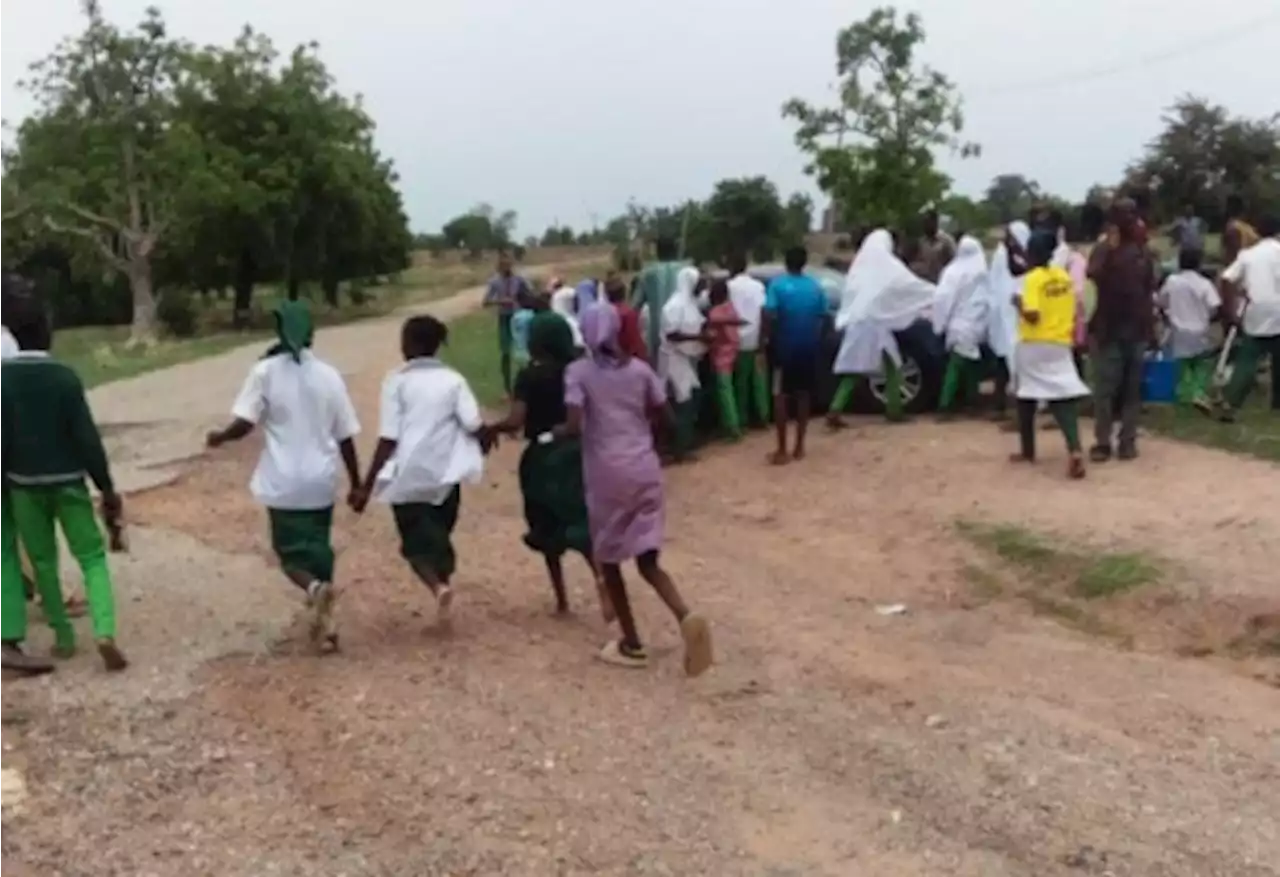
{"type": "Point", "coordinates": [969, 736]}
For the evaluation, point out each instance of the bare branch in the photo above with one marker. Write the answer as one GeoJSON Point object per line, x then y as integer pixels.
{"type": "Point", "coordinates": [96, 218]}
{"type": "Point", "coordinates": [96, 238]}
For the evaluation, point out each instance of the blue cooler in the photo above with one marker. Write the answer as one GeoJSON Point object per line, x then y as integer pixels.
{"type": "Point", "coordinates": [1160, 379]}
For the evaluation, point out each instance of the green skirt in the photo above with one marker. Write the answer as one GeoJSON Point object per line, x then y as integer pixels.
{"type": "Point", "coordinates": [426, 532]}
{"type": "Point", "coordinates": [555, 507]}
{"type": "Point", "coordinates": [300, 538]}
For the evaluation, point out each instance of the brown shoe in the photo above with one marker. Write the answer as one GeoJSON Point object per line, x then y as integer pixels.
{"type": "Point", "coordinates": [20, 662]}
{"type": "Point", "coordinates": [112, 658]}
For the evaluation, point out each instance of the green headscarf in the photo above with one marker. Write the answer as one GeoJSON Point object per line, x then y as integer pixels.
{"type": "Point", "coordinates": [551, 339]}
{"type": "Point", "coordinates": [293, 330]}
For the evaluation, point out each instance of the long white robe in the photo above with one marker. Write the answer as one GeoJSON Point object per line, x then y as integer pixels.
{"type": "Point", "coordinates": [678, 360]}
{"type": "Point", "coordinates": [881, 296]}
{"type": "Point", "coordinates": [1002, 332]}
{"type": "Point", "coordinates": [961, 303]}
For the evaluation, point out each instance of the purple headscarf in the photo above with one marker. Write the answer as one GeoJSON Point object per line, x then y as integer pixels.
{"type": "Point", "coordinates": [584, 295]}
{"type": "Point", "coordinates": [600, 325]}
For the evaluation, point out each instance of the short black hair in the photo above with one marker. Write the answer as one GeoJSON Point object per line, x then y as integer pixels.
{"type": "Point", "coordinates": [1190, 259]}
{"type": "Point", "coordinates": [665, 246]}
{"type": "Point", "coordinates": [423, 335]}
{"type": "Point", "coordinates": [1269, 227]}
{"type": "Point", "coordinates": [795, 259]}
{"type": "Point", "coordinates": [737, 262]}
{"type": "Point", "coordinates": [26, 317]}
{"type": "Point", "coordinates": [615, 289]}
{"type": "Point", "coordinates": [1040, 247]}
{"type": "Point", "coordinates": [719, 291]}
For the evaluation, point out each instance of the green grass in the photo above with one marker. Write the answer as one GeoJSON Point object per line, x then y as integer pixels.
{"type": "Point", "coordinates": [99, 355]}
{"type": "Point", "coordinates": [1256, 432]}
{"type": "Point", "coordinates": [1088, 574]}
{"type": "Point", "coordinates": [473, 350]}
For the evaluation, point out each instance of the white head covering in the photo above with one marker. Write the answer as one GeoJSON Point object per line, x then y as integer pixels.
{"type": "Point", "coordinates": [677, 360]}
{"type": "Point", "coordinates": [960, 306]}
{"type": "Point", "coordinates": [1002, 330]}
{"type": "Point", "coordinates": [562, 303]}
{"type": "Point", "coordinates": [881, 296]}
{"type": "Point", "coordinates": [8, 344]}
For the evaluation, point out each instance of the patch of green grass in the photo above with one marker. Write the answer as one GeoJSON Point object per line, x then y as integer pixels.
{"type": "Point", "coordinates": [1256, 432]}
{"type": "Point", "coordinates": [473, 350]}
{"type": "Point", "coordinates": [98, 353]}
{"type": "Point", "coordinates": [1109, 574]}
{"type": "Point", "coordinates": [983, 581]}
{"type": "Point", "coordinates": [1090, 574]}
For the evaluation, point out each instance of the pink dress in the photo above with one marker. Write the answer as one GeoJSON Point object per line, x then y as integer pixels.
{"type": "Point", "coordinates": [620, 468]}
{"type": "Point", "coordinates": [1077, 267]}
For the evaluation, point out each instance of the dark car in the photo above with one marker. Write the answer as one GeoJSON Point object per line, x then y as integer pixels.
{"type": "Point", "coordinates": [923, 353]}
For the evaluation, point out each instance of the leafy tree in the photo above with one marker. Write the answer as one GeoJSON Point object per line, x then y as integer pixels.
{"type": "Point", "coordinates": [742, 215]}
{"type": "Point", "coordinates": [797, 220]}
{"type": "Point", "coordinates": [874, 153]}
{"type": "Point", "coordinates": [102, 159]}
{"type": "Point", "coordinates": [1010, 196]}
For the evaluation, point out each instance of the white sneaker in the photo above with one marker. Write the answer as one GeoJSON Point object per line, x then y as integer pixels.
{"type": "Point", "coordinates": [444, 604]}
{"type": "Point", "coordinates": [321, 596]}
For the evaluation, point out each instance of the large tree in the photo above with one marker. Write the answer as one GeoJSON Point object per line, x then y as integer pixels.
{"type": "Point", "coordinates": [1010, 196]}
{"type": "Point", "coordinates": [742, 215]}
{"type": "Point", "coordinates": [874, 152]}
{"type": "Point", "coordinates": [102, 160]}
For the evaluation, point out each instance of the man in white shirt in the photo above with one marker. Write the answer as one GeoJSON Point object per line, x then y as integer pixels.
{"type": "Point", "coordinates": [1189, 303]}
{"type": "Point", "coordinates": [302, 405]}
{"type": "Point", "coordinates": [431, 438]}
{"type": "Point", "coordinates": [1255, 277]}
{"type": "Point", "coordinates": [750, 384]}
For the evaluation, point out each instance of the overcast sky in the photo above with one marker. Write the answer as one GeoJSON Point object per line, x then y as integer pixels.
{"type": "Point", "coordinates": [563, 109]}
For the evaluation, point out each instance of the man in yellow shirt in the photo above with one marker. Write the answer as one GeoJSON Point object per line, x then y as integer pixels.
{"type": "Point", "coordinates": [1043, 361]}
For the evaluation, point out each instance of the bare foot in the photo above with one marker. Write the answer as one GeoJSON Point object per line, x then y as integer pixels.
{"type": "Point", "coordinates": [779, 458]}
{"type": "Point", "coordinates": [1021, 458]}
{"type": "Point", "coordinates": [798, 453]}
{"type": "Point", "coordinates": [1075, 466]}
{"type": "Point", "coordinates": [836, 423]}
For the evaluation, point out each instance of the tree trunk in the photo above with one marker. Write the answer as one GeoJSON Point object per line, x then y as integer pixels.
{"type": "Point", "coordinates": [293, 287]}
{"type": "Point", "coordinates": [330, 287]}
{"type": "Point", "coordinates": [246, 273]}
{"type": "Point", "coordinates": [143, 329]}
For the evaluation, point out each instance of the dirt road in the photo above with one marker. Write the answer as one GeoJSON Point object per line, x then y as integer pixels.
{"type": "Point", "coordinates": [971, 735]}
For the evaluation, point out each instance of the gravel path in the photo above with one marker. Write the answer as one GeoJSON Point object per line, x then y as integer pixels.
{"type": "Point", "coordinates": [972, 735]}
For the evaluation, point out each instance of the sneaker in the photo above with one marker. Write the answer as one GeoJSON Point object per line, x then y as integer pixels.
{"type": "Point", "coordinates": [320, 597]}
{"type": "Point", "coordinates": [19, 661]}
{"type": "Point", "coordinates": [696, 633]}
{"type": "Point", "coordinates": [619, 655]}
{"type": "Point", "coordinates": [444, 605]}
{"type": "Point", "coordinates": [112, 658]}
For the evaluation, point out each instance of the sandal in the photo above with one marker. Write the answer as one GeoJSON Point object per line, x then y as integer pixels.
{"type": "Point", "coordinates": [1075, 467]}
{"type": "Point", "coordinates": [620, 655]}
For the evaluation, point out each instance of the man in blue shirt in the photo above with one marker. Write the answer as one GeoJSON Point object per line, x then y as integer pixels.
{"type": "Point", "coordinates": [795, 319]}
{"type": "Point", "coordinates": [503, 292]}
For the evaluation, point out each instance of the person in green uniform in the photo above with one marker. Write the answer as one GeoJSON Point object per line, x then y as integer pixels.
{"type": "Point", "coordinates": [654, 287]}
{"type": "Point", "coordinates": [301, 404]}
{"type": "Point", "coordinates": [50, 446]}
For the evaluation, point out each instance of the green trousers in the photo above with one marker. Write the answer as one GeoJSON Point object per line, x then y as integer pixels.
{"type": "Point", "coordinates": [13, 595]}
{"type": "Point", "coordinates": [961, 374]}
{"type": "Point", "coordinates": [751, 388]}
{"type": "Point", "coordinates": [38, 512]}
{"type": "Point", "coordinates": [686, 417]}
{"type": "Point", "coordinates": [727, 407]}
{"type": "Point", "coordinates": [1245, 372]}
{"type": "Point", "coordinates": [1194, 374]}
{"type": "Point", "coordinates": [892, 391]}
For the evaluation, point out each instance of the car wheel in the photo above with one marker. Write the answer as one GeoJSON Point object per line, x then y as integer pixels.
{"type": "Point", "coordinates": [914, 391]}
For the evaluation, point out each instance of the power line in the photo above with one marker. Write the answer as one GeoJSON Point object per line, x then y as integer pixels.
{"type": "Point", "coordinates": [1169, 53]}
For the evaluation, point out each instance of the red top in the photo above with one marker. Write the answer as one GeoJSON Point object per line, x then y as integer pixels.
{"type": "Point", "coordinates": [725, 338]}
{"type": "Point", "coordinates": [630, 337]}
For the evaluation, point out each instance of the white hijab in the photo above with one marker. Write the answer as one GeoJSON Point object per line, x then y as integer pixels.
{"type": "Point", "coordinates": [563, 301]}
{"type": "Point", "coordinates": [960, 305]}
{"type": "Point", "coordinates": [1002, 330]}
{"type": "Point", "coordinates": [881, 296]}
{"type": "Point", "coordinates": [678, 360]}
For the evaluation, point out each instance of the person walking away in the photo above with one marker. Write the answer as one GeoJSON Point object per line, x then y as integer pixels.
{"type": "Point", "coordinates": [520, 320]}
{"type": "Point", "coordinates": [431, 440]}
{"type": "Point", "coordinates": [555, 509]}
{"type": "Point", "coordinates": [654, 285]}
{"type": "Point", "coordinates": [502, 295]}
{"type": "Point", "coordinates": [750, 383]}
{"type": "Point", "coordinates": [630, 335]}
{"type": "Point", "coordinates": [1045, 367]}
{"type": "Point", "coordinates": [1189, 303]}
{"type": "Point", "coordinates": [564, 303]}
{"type": "Point", "coordinates": [1254, 276]}
{"type": "Point", "coordinates": [1120, 330]}
{"type": "Point", "coordinates": [881, 296]}
{"type": "Point", "coordinates": [50, 445]}
{"type": "Point", "coordinates": [935, 249]}
{"type": "Point", "coordinates": [794, 321]}
{"type": "Point", "coordinates": [724, 326]}
{"type": "Point", "coordinates": [1237, 234]}
{"type": "Point", "coordinates": [611, 400]}
{"type": "Point", "coordinates": [960, 316]}
{"type": "Point", "coordinates": [683, 344]}
{"type": "Point", "coordinates": [1004, 281]}
{"type": "Point", "coordinates": [1188, 232]}
{"type": "Point", "coordinates": [303, 407]}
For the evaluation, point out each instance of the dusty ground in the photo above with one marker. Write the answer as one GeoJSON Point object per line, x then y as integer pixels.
{"type": "Point", "coordinates": [970, 736]}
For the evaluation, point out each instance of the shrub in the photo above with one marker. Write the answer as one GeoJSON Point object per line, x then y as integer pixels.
{"type": "Point", "coordinates": [177, 313]}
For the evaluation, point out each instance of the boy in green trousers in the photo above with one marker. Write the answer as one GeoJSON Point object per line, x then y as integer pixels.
{"type": "Point", "coordinates": [50, 445]}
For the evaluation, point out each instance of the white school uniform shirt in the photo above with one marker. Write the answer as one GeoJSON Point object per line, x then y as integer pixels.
{"type": "Point", "coordinates": [1257, 269]}
{"type": "Point", "coordinates": [747, 295]}
{"type": "Point", "coordinates": [8, 344]}
{"type": "Point", "coordinates": [1189, 300]}
{"type": "Point", "coordinates": [429, 410]}
{"type": "Point", "coordinates": [304, 411]}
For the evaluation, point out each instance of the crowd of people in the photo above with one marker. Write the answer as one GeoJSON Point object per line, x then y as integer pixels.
{"type": "Point", "coordinates": [601, 376]}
